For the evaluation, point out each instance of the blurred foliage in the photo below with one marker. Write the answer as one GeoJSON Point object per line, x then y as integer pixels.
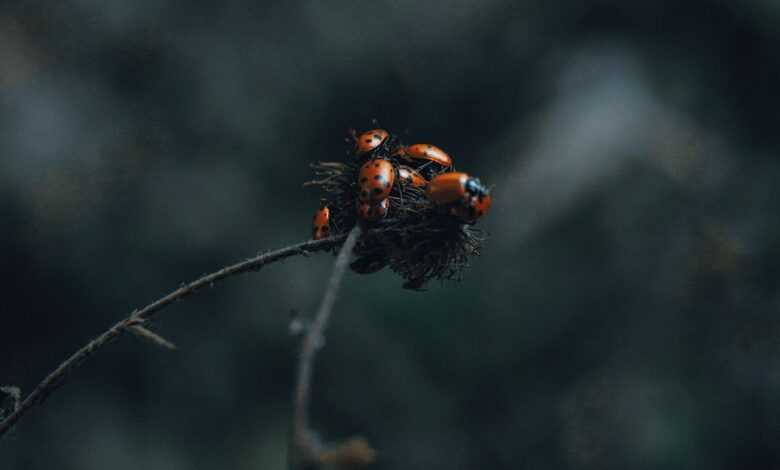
{"type": "Point", "coordinates": [624, 311]}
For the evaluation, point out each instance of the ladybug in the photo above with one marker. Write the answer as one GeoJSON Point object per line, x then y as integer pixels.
{"type": "Point", "coordinates": [410, 176]}
{"type": "Point", "coordinates": [473, 209]}
{"type": "Point", "coordinates": [368, 211]}
{"type": "Point", "coordinates": [428, 152]}
{"type": "Point", "coordinates": [370, 140]}
{"type": "Point", "coordinates": [468, 197]}
{"type": "Point", "coordinates": [375, 179]}
{"type": "Point", "coordinates": [320, 226]}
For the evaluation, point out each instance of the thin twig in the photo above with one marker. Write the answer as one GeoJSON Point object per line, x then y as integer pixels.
{"type": "Point", "coordinates": [152, 337]}
{"type": "Point", "coordinates": [304, 450]}
{"type": "Point", "coordinates": [138, 317]}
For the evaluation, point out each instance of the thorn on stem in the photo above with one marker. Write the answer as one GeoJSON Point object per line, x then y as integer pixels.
{"type": "Point", "coordinates": [151, 336]}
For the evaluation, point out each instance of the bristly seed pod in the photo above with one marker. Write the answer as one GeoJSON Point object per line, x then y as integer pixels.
{"type": "Point", "coordinates": [422, 229]}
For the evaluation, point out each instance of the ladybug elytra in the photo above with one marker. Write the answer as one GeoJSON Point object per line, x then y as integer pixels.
{"type": "Point", "coordinates": [375, 180]}
{"type": "Point", "coordinates": [370, 140]}
{"type": "Point", "coordinates": [428, 152]}
{"type": "Point", "coordinates": [410, 176]}
{"type": "Point", "coordinates": [321, 224]}
{"type": "Point", "coordinates": [368, 211]}
{"type": "Point", "coordinates": [473, 209]}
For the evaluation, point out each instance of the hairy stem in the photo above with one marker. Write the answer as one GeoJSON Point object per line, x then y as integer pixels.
{"type": "Point", "coordinates": [138, 317]}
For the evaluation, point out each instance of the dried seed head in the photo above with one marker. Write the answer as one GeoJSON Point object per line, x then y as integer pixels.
{"type": "Point", "coordinates": [418, 239]}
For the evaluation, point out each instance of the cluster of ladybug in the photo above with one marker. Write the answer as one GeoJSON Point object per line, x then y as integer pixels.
{"type": "Point", "coordinates": [424, 166]}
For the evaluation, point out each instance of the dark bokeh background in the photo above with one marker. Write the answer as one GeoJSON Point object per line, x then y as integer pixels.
{"type": "Point", "coordinates": [623, 314]}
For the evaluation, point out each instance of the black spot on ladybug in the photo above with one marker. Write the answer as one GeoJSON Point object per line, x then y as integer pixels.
{"type": "Point", "coordinates": [376, 165]}
{"type": "Point", "coordinates": [377, 191]}
{"type": "Point", "coordinates": [378, 177]}
{"type": "Point", "coordinates": [368, 140]}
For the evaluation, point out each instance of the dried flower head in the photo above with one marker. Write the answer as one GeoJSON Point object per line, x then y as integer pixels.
{"type": "Point", "coordinates": [416, 237]}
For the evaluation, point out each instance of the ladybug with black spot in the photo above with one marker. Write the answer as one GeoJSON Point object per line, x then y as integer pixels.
{"type": "Point", "coordinates": [410, 177]}
{"type": "Point", "coordinates": [466, 196]}
{"type": "Point", "coordinates": [375, 180]}
{"type": "Point", "coordinates": [425, 154]}
{"type": "Point", "coordinates": [370, 212]}
{"type": "Point", "coordinates": [321, 224]}
{"type": "Point", "coordinates": [473, 209]}
{"type": "Point", "coordinates": [370, 140]}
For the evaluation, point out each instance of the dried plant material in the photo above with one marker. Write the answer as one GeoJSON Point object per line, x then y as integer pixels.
{"type": "Point", "coordinates": [419, 240]}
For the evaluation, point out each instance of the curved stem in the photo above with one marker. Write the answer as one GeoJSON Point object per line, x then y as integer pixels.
{"type": "Point", "coordinates": [303, 449]}
{"type": "Point", "coordinates": [138, 317]}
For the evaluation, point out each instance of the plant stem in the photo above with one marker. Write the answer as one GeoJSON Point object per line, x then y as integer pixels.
{"type": "Point", "coordinates": [138, 317]}
{"type": "Point", "coordinates": [304, 450]}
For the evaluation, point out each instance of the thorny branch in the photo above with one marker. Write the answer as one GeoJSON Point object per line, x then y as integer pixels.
{"type": "Point", "coordinates": [136, 320]}
{"type": "Point", "coordinates": [304, 450]}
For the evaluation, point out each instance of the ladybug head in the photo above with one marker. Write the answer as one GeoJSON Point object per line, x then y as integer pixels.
{"type": "Point", "coordinates": [475, 187]}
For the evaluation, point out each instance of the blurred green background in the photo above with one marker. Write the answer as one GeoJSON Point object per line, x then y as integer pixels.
{"type": "Point", "coordinates": [623, 314]}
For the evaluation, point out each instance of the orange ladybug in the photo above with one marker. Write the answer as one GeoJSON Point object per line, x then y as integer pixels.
{"type": "Point", "coordinates": [375, 179]}
{"type": "Point", "coordinates": [428, 152]}
{"type": "Point", "coordinates": [473, 209]}
{"type": "Point", "coordinates": [410, 176]}
{"type": "Point", "coordinates": [370, 140]}
{"type": "Point", "coordinates": [367, 211]}
{"type": "Point", "coordinates": [320, 227]}
{"type": "Point", "coordinates": [469, 198]}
